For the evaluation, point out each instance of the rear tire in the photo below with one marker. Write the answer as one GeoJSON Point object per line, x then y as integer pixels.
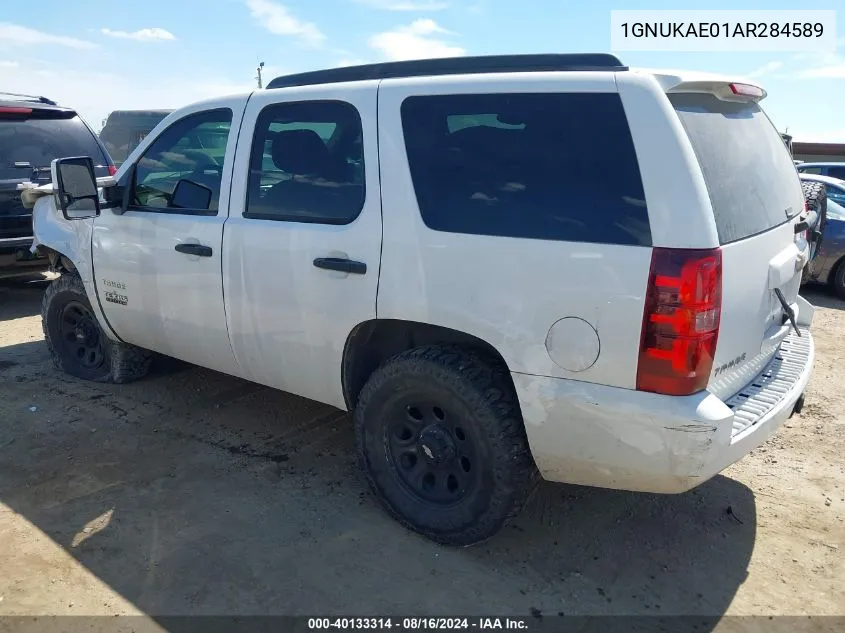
{"type": "Point", "coordinates": [77, 343]}
{"type": "Point", "coordinates": [442, 441]}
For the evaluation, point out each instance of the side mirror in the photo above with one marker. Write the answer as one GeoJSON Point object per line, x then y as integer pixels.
{"type": "Point", "coordinates": [190, 195]}
{"type": "Point", "coordinates": [76, 187]}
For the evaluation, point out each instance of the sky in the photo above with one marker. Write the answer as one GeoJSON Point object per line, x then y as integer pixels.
{"type": "Point", "coordinates": [97, 57]}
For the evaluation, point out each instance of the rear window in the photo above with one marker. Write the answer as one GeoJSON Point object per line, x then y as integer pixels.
{"type": "Point", "coordinates": [748, 170]}
{"type": "Point", "coordinates": [543, 166]}
{"type": "Point", "coordinates": [37, 141]}
{"type": "Point", "coordinates": [836, 172]}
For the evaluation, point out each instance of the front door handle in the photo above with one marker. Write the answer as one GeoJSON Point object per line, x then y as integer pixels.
{"type": "Point", "coordinates": [341, 264]}
{"type": "Point", "coordinates": [194, 249]}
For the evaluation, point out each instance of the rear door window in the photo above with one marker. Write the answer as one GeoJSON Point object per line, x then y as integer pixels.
{"type": "Point", "coordinates": [31, 143]}
{"type": "Point", "coordinates": [307, 163]}
{"type": "Point", "coordinates": [748, 170]}
{"type": "Point", "coordinates": [551, 166]}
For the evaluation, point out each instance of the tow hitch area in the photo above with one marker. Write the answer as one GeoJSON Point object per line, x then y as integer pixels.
{"type": "Point", "coordinates": [799, 404]}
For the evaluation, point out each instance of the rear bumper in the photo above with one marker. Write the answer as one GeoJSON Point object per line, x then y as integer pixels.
{"type": "Point", "coordinates": [631, 440]}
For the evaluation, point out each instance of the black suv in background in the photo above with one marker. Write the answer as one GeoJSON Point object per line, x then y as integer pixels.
{"type": "Point", "coordinates": [125, 129]}
{"type": "Point", "coordinates": [34, 131]}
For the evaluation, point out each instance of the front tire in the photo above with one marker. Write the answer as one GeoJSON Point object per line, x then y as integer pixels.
{"type": "Point", "coordinates": [77, 343]}
{"type": "Point", "coordinates": [442, 441]}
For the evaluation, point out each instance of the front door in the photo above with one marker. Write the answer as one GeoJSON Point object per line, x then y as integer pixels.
{"type": "Point", "coordinates": [158, 265]}
{"type": "Point", "coordinates": [303, 241]}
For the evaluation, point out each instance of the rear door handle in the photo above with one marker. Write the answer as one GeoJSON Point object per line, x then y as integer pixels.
{"type": "Point", "coordinates": [341, 264]}
{"type": "Point", "coordinates": [194, 249]}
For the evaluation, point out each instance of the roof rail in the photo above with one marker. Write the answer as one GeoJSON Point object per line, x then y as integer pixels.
{"type": "Point", "coordinates": [30, 97]}
{"type": "Point", "coordinates": [455, 66]}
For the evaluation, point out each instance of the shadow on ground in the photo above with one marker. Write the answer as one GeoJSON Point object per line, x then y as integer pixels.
{"type": "Point", "coordinates": [822, 296]}
{"type": "Point", "coordinates": [21, 296]}
{"type": "Point", "coordinates": [210, 495]}
{"type": "Point", "coordinates": [191, 492]}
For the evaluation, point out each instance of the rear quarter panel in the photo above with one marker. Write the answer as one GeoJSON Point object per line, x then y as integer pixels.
{"type": "Point", "coordinates": [506, 291]}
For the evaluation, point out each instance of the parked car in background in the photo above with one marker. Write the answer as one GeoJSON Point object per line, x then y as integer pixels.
{"type": "Point", "coordinates": [829, 264]}
{"type": "Point", "coordinates": [34, 131]}
{"type": "Point", "coordinates": [834, 187]}
{"type": "Point", "coordinates": [124, 129]}
{"type": "Point", "coordinates": [414, 248]}
{"type": "Point", "coordinates": [834, 170]}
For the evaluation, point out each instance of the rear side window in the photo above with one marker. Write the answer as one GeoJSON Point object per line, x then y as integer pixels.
{"type": "Point", "coordinates": [748, 170]}
{"type": "Point", "coordinates": [33, 142]}
{"type": "Point", "coordinates": [541, 166]}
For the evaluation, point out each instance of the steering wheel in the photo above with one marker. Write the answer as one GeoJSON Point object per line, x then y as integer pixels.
{"type": "Point", "coordinates": [200, 176]}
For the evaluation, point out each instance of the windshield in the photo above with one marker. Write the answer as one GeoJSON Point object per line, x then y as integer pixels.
{"type": "Point", "coordinates": [748, 170]}
{"type": "Point", "coordinates": [31, 143]}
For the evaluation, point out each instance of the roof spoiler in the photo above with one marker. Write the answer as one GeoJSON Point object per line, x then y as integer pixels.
{"type": "Point", "coordinates": [724, 90]}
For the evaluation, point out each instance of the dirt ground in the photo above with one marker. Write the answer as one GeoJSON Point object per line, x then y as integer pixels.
{"type": "Point", "coordinates": [191, 492]}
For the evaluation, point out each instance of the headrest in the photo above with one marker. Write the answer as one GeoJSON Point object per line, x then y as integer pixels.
{"type": "Point", "coordinates": [300, 152]}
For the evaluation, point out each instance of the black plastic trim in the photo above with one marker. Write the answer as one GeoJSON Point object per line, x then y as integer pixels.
{"type": "Point", "coordinates": [341, 264]}
{"type": "Point", "coordinates": [200, 250]}
{"type": "Point", "coordinates": [456, 66]}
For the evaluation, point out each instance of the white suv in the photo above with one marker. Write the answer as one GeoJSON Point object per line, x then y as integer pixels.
{"type": "Point", "coordinates": [505, 267]}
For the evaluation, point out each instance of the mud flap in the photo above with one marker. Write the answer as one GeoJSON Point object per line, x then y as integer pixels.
{"type": "Point", "coordinates": [806, 311]}
{"type": "Point", "coordinates": [799, 404]}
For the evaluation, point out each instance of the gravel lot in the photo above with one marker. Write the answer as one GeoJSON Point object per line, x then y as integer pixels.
{"type": "Point", "coordinates": [192, 492]}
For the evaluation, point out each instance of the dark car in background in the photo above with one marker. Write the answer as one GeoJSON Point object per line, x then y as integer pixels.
{"type": "Point", "coordinates": [34, 131]}
{"type": "Point", "coordinates": [125, 129]}
{"type": "Point", "coordinates": [829, 265]}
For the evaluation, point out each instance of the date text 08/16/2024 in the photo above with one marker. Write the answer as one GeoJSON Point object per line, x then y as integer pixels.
{"type": "Point", "coordinates": [418, 624]}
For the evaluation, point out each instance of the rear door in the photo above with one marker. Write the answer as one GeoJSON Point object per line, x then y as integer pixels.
{"type": "Point", "coordinates": [302, 246]}
{"type": "Point", "coordinates": [756, 198]}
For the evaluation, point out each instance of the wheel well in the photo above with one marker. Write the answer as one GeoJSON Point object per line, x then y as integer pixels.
{"type": "Point", "coordinates": [58, 262]}
{"type": "Point", "coordinates": [373, 342]}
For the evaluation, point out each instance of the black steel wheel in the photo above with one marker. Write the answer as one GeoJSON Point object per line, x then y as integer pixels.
{"type": "Point", "coordinates": [76, 341]}
{"type": "Point", "coordinates": [81, 337]}
{"type": "Point", "coordinates": [442, 441]}
{"type": "Point", "coordinates": [432, 452]}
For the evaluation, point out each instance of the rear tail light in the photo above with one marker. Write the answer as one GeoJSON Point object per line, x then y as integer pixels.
{"type": "Point", "coordinates": [747, 90]}
{"type": "Point", "coordinates": [681, 321]}
{"type": "Point", "coordinates": [112, 170]}
{"type": "Point", "coordinates": [11, 112]}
